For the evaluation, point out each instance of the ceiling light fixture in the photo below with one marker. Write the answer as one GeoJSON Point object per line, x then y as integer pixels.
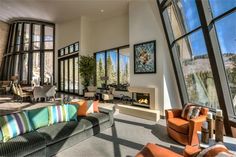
{"type": "Point", "coordinates": [102, 10]}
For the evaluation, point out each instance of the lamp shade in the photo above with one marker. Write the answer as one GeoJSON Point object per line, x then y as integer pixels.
{"type": "Point", "coordinates": [105, 78]}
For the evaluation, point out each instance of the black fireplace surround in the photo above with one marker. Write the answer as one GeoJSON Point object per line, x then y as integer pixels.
{"type": "Point", "coordinates": [141, 99]}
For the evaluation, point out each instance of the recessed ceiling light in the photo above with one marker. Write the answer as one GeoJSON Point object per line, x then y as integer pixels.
{"type": "Point", "coordinates": [102, 10]}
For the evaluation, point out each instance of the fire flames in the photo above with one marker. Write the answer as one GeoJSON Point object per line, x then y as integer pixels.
{"type": "Point", "coordinates": [143, 101]}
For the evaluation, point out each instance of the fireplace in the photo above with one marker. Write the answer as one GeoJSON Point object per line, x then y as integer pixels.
{"type": "Point", "coordinates": [141, 99]}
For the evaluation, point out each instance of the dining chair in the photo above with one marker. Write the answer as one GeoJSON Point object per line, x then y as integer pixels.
{"type": "Point", "coordinates": [22, 94]}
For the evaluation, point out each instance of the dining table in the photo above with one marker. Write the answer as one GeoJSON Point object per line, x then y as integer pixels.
{"type": "Point", "coordinates": [28, 88]}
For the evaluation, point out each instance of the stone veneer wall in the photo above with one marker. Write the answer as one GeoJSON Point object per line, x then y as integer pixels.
{"type": "Point", "coordinates": [4, 29]}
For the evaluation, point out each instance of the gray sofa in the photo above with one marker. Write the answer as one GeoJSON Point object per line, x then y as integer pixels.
{"type": "Point", "coordinates": [49, 140]}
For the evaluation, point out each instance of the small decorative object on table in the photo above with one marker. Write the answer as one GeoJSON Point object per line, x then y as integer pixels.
{"type": "Point", "coordinates": [205, 133]}
{"type": "Point", "coordinates": [67, 100]}
{"type": "Point", "coordinates": [210, 124]}
{"type": "Point", "coordinates": [219, 126]}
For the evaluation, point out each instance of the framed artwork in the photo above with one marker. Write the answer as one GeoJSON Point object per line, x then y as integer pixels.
{"type": "Point", "coordinates": [145, 57]}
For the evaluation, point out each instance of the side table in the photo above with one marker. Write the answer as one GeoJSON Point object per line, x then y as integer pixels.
{"type": "Point", "coordinates": [229, 142]}
{"type": "Point", "coordinates": [191, 151]}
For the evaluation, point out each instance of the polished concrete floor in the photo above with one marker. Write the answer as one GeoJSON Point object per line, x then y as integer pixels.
{"type": "Point", "coordinates": [128, 135]}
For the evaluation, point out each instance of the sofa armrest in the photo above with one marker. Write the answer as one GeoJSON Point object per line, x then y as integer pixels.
{"type": "Point", "coordinates": [195, 125]}
{"type": "Point", "coordinates": [110, 112]}
{"type": "Point", "coordinates": [172, 113]}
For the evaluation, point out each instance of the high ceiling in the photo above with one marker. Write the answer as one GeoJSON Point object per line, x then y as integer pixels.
{"type": "Point", "coordinates": [60, 10]}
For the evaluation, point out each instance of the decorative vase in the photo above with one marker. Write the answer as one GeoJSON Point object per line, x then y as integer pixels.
{"type": "Point", "coordinates": [205, 135]}
{"type": "Point", "coordinates": [210, 124]}
{"type": "Point", "coordinates": [219, 126]}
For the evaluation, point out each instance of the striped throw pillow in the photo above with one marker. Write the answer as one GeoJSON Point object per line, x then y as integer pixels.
{"type": "Point", "coordinates": [190, 111]}
{"type": "Point", "coordinates": [15, 124]}
{"type": "Point", "coordinates": [57, 114]}
{"type": "Point", "coordinates": [62, 113]}
{"type": "Point", "coordinates": [217, 150]}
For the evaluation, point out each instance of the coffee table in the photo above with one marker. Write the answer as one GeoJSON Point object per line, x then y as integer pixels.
{"type": "Point", "coordinates": [229, 142]}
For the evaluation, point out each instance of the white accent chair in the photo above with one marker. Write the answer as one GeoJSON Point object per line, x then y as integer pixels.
{"type": "Point", "coordinates": [91, 92]}
{"type": "Point", "coordinates": [45, 92]}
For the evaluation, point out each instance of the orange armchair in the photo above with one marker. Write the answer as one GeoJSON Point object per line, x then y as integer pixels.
{"type": "Point", "coordinates": [182, 130]}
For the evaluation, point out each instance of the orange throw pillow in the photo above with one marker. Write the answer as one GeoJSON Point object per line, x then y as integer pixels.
{"type": "Point", "coordinates": [86, 107]}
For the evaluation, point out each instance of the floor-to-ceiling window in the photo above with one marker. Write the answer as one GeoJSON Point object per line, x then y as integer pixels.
{"type": "Point", "coordinates": [69, 76]}
{"type": "Point", "coordinates": [68, 70]}
{"type": "Point", "coordinates": [124, 66]}
{"type": "Point", "coordinates": [112, 67]}
{"type": "Point", "coordinates": [201, 37]}
{"type": "Point", "coordinates": [225, 28]}
{"type": "Point", "coordinates": [30, 52]}
{"type": "Point", "coordinates": [188, 46]}
{"type": "Point", "coordinates": [100, 68]}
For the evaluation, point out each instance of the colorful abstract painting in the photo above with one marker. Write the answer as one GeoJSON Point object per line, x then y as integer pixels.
{"type": "Point", "coordinates": [145, 57]}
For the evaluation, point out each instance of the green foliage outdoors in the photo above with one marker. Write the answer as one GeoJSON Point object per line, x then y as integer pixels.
{"type": "Point", "coordinates": [87, 68]}
{"type": "Point", "coordinates": [100, 72]}
{"type": "Point", "coordinates": [111, 71]}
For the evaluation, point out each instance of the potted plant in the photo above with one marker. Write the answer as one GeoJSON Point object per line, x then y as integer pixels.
{"type": "Point", "coordinates": [87, 68]}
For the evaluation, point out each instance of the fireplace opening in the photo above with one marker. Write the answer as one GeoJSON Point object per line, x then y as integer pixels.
{"type": "Point", "coordinates": [141, 99]}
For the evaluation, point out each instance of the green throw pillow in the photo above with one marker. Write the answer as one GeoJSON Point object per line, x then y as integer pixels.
{"type": "Point", "coordinates": [38, 117]}
{"type": "Point", "coordinates": [72, 109]}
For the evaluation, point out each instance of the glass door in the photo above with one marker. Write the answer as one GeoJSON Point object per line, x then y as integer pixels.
{"type": "Point", "coordinates": [69, 74]}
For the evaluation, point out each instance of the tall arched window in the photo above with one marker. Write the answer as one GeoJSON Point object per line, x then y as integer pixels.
{"type": "Point", "coordinates": [30, 52]}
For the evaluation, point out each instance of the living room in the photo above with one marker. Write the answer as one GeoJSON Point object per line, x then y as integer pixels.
{"type": "Point", "coordinates": [117, 73]}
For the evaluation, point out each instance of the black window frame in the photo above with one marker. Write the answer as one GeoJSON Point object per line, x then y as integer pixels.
{"type": "Point", "coordinates": [118, 63]}
{"type": "Point", "coordinates": [216, 59]}
{"type": "Point", "coordinates": [13, 28]}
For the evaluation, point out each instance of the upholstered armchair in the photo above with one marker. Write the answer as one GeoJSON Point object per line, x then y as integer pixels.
{"type": "Point", "coordinates": [182, 130]}
{"type": "Point", "coordinates": [91, 92]}
{"type": "Point", "coordinates": [109, 96]}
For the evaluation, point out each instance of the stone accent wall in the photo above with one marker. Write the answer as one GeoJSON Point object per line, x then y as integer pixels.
{"type": "Point", "coordinates": [4, 29]}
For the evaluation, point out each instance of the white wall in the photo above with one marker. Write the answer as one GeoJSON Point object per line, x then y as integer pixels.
{"type": "Point", "coordinates": [93, 35]}
{"type": "Point", "coordinates": [110, 33]}
{"type": "Point", "coordinates": [141, 24]}
{"type": "Point", "coordinates": [145, 25]}
{"type": "Point", "coordinates": [4, 29]}
{"type": "Point", "coordinates": [86, 37]}
{"type": "Point", "coordinates": [66, 33]}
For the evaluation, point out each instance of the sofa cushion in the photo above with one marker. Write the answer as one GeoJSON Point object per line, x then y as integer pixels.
{"type": "Point", "coordinates": [22, 145]}
{"type": "Point", "coordinates": [179, 125]}
{"type": "Point", "coordinates": [38, 117]}
{"type": "Point", "coordinates": [96, 118]}
{"type": "Point", "coordinates": [60, 131]}
{"type": "Point", "coordinates": [14, 124]}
